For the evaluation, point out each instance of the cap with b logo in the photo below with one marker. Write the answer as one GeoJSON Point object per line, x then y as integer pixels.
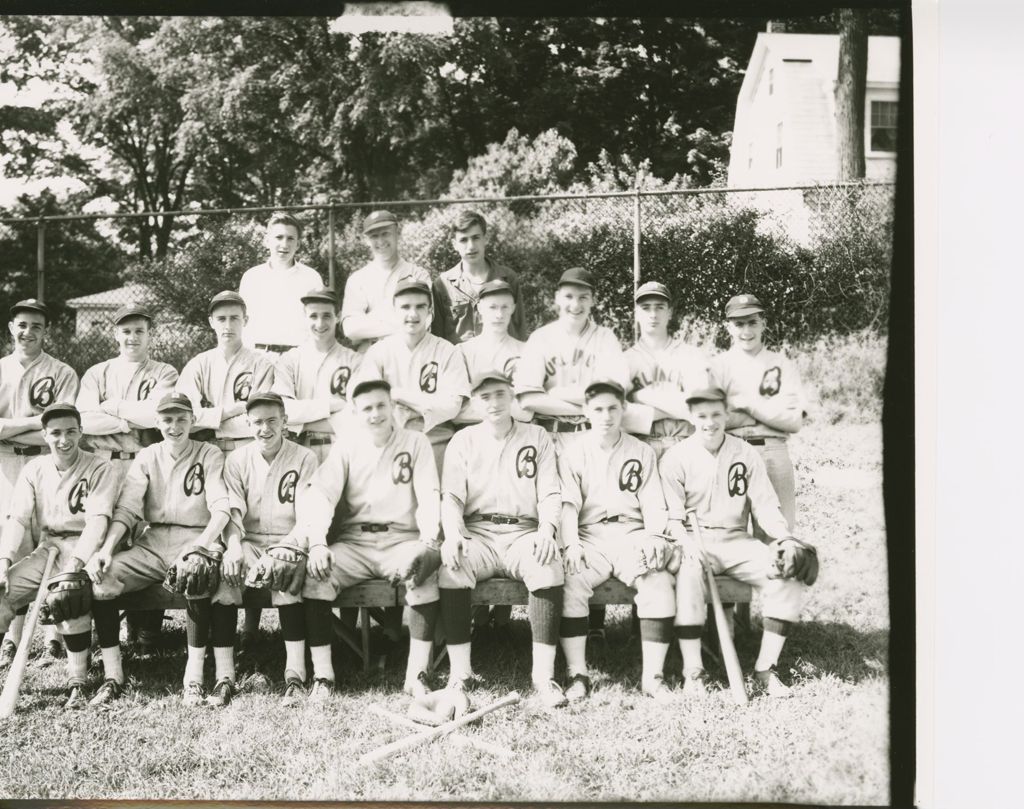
{"type": "Point", "coordinates": [494, 288]}
{"type": "Point", "coordinates": [263, 397]}
{"type": "Point", "coordinates": [378, 219]}
{"type": "Point", "coordinates": [174, 402]}
{"type": "Point", "coordinates": [652, 289]}
{"type": "Point", "coordinates": [59, 409]}
{"type": "Point", "coordinates": [705, 395]}
{"type": "Point", "coordinates": [743, 305]}
{"type": "Point", "coordinates": [412, 285]}
{"type": "Point", "coordinates": [578, 276]}
{"type": "Point", "coordinates": [131, 310]}
{"type": "Point", "coordinates": [226, 298]}
{"type": "Point", "coordinates": [482, 378]}
{"type": "Point", "coordinates": [322, 295]}
{"type": "Point", "coordinates": [30, 305]}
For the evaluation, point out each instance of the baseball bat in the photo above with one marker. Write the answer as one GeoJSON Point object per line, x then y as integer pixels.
{"type": "Point", "coordinates": [9, 696]}
{"type": "Point", "coordinates": [409, 742]}
{"type": "Point", "coordinates": [457, 738]}
{"type": "Point", "coordinates": [729, 657]}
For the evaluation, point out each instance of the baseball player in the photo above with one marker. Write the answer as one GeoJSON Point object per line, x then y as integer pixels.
{"type": "Point", "coordinates": [427, 374]}
{"type": "Point", "coordinates": [384, 479]}
{"type": "Point", "coordinates": [613, 524]}
{"type": "Point", "coordinates": [366, 311]}
{"type": "Point", "coordinates": [457, 291]}
{"type": "Point", "coordinates": [263, 479]}
{"type": "Point", "coordinates": [117, 401]}
{"type": "Point", "coordinates": [177, 486]}
{"type": "Point", "coordinates": [68, 494]}
{"type": "Point", "coordinates": [272, 290]}
{"type": "Point", "coordinates": [313, 378]}
{"type": "Point", "coordinates": [764, 396]}
{"type": "Point", "coordinates": [30, 380]}
{"type": "Point", "coordinates": [722, 480]}
{"type": "Point", "coordinates": [500, 506]}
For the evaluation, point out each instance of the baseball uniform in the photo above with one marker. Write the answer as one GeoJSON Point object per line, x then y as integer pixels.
{"type": "Point", "coordinates": [485, 353]}
{"type": "Point", "coordinates": [726, 489]}
{"type": "Point", "coordinates": [370, 290]}
{"type": "Point", "coordinates": [276, 318]}
{"type": "Point", "coordinates": [455, 298]}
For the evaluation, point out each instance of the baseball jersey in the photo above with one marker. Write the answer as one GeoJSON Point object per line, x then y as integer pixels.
{"type": "Point", "coordinates": [485, 353]}
{"type": "Point", "coordinates": [370, 290]}
{"type": "Point", "coordinates": [395, 485]}
{"type": "Point", "coordinates": [164, 490]}
{"type": "Point", "coordinates": [723, 487]}
{"type": "Point", "coordinates": [272, 302]}
{"type": "Point", "coordinates": [455, 297]}
{"type": "Point", "coordinates": [676, 367]}
{"type": "Point", "coordinates": [618, 482]}
{"type": "Point", "coordinates": [307, 379]}
{"type": "Point", "coordinates": [770, 383]}
{"type": "Point", "coordinates": [264, 494]}
{"type": "Point", "coordinates": [26, 392]}
{"type": "Point", "coordinates": [61, 501]}
{"type": "Point", "coordinates": [137, 387]}
{"type": "Point", "coordinates": [212, 382]}
{"type": "Point", "coordinates": [515, 475]}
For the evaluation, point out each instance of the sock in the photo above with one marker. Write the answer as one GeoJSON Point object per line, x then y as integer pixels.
{"type": "Point", "coordinates": [653, 659]}
{"type": "Point", "coordinates": [112, 669]}
{"type": "Point", "coordinates": [295, 657]}
{"type": "Point", "coordinates": [693, 656]}
{"type": "Point", "coordinates": [78, 655]}
{"type": "Point", "coordinates": [544, 607]}
{"type": "Point", "coordinates": [459, 659]}
{"type": "Point", "coordinates": [323, 666]}
{"type": "Point", "coordinates": [224, 662]}
{"type": "Point", "coordinates": [575, 649]}
{"type": "Point", "coordinates": [456, 615]}
{"type": "Point", "coordinates": [14, 630]}
{"type": "Point", "coordinates": [52, 633]}
{"type": "Point", "coordinates": [658, 630]}
{"type": "Point", "coordinates": [197, 622]}
{"type": "Point", "coordinates": [419, 656]}
{"type": "Point", "coordinates": [771, 648]}
{"type": "Point", "coordinates": [293, 623]}
{"type": "Point", "coordinates": [318, 623]}
{"type": "Point", "coordinates": [194, 664]}
{"type": "Point", "coordinates": [107, 623]}
{"type": "Point", "coordinates": [422, 620]}
{"type": "Point", "coordinates": [223, 625]}
{"type": "Point", "coordinates": [251, 624]}
{"type": "Point", "coordinates": [543, 662]}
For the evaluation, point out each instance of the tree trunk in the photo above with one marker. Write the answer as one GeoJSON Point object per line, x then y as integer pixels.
{"type": "Point", "coordinates": [851, 82]}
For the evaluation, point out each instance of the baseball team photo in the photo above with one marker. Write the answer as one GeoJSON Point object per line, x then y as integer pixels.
{"type": "Point", "coordinates": [403, 404]}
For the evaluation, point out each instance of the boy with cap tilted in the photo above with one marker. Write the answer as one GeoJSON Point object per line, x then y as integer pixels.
{"type": "Point", "coordinates": [366, 311]}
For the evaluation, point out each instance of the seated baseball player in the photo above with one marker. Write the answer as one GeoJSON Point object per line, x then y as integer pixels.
{"type": "Point", "coordinates": [177, 486]}
{"type": "Point", "coordinates": [69, 494]}
{"type": "Point", "coordinates": [721, 481]}
{"type": "Point", "coordinates": [501, 502]}
{"type": "Point", "coordinates": [263, 480]}
{"type": "Point", "coordinates": [613, 524]}
{"type": "Point", "coordinates": [384, 478]}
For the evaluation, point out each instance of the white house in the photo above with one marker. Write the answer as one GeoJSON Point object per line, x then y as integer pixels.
{"type": "Point", "coordinates": [785, 130]}
{"type": "Point", "coordinates": [97, 311]}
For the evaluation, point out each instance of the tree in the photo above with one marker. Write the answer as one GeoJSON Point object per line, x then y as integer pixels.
{"type": "Point", "coordinates": [851, 84]}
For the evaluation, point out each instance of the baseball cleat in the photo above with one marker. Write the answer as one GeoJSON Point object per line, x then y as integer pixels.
{"type": "Point", "coordinates": [55, 649]}
{"type": "Point", "coordinates": [550, 694]}
{"type": "Point", "coordinates": [8, 650]}
{"type": "Point", "coordinates": [768, 683]}
{"type": "Point", "coordinates": [193, 695]}
{"type": "Point", "coordinates": [696, 683]}
{"type": "Point", "coordinates": [294, 688]}
{"type": "Point", "coordinates": [222, 693]}
{"type": "Point", "coordinates": [106, 693]}
{"type": "Point", "coordinates": [578, 688]}
{"type": "Point", "coordinates": [76, 697]}
{"type": "Point", "coordinates": [656, 689]}
{"type": "Point", "coordinates": [322, 690]}
{"type": "Point", "coordinates": [418, 687]}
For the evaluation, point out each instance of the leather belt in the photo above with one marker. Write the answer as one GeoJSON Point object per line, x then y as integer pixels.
{"type": "Point", "coordinates": [616, 518]}
{"type": "Point", "coordinates": [498, 519]}
{"type": "Point", "coordinates": [556, 426]}
{"type": "Point", "coordinates": [315, 439]}
{"type": "Point", "coordinates": [28, 451]}
{"type": "Point", "coordinates": [116, 455]}
{"type": "Point", "coordinates": [277, 348]}
{"type": "Point", "coordinates": [760, 442]}
{"type": "Point", "coordinates": [374, 527]}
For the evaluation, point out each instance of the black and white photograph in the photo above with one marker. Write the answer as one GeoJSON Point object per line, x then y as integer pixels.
{"type": "Point", "coordinates": [406, 404]}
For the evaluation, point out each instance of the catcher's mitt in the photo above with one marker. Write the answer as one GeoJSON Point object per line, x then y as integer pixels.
{"type": "Point", "coordinates": [69, 595]}
{"type": "Point", "coordinates": [439, 707]}
{"type": "Point", "coordinates": [195, 575]}
{"type": "Point", "coordinates": [419, 568]}
{"type": "Point", "coordinates": [794, 559]}
{"type": "Point", "coordinates": [281, 568]}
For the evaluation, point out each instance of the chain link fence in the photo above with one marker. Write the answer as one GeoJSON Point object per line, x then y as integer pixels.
{"type": "Point", "coordinates": [819, 256]}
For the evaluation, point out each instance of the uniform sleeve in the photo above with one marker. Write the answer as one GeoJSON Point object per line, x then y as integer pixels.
{"type": "Point", "coordinates": [104, 485]}
{"type": "Point", "coordinates": [517, 325]}
{"type": "Point", "coordinates": [611, 361]}
{"type": "Point", "coordinates": [651, 496]}
{"type": "Point", "coordinates": [188, 384]}
{"type": "Point", "coordinates": [428, 491]}
{"type": "Point", "coordinates": [131, 500]}
{"type": "Point", "coordinates": [263, 375]}
{"type": "Point", "coordinates": [455, 471]}
{"type": "Point", "coordinates": [215, 491]}
{"type": "Point", "coordinates": [370, 368]}
{"type": "Point", "coordinates": [569, 478]}
{"type": "Point", "coordinates": [234, 482]}
{"type": "Point", "coordinates": [530, 373]}
{"type": "Point", "coordinates": [94, 420]}
{"type": "Point", "coordinates": [673, 482]}
{"type": "Point", "coordinates": [441, 325]}
{"type": "Point", "coordinates": [143, 413]}
{"type": "Point", "coordinates": [785, 410]}
{"type": "Point", "coordinates": [65, 384]}
{"type": "Point", "coordinates": [764, 503]}
{"type": "Point", "coordinates": [315, 509]}
{"type": "Point", "coordinates": [22, 505]}
{"type": "Point", "coordinates": [549, 486]}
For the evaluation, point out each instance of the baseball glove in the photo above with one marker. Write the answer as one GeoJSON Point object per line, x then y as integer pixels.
{"type": "Point", "coordinates": [439, 707]}
{"type": "Point", "coordinates": [69, 595]}
{"type": "Point", "coordinates": [419, 567]}
{"type": "Point", "coordinates": [794, 559]}
{"type": "Point", "coordinates": [195, 575]}
{"type": "Point", "coordinates": [281, 568]}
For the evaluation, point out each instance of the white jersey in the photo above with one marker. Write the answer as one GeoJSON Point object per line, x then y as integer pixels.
{"type": "Point", "coordinates": [212, 383]}
{"type": "Point", "coordinates": [263, 495]}
{"type": "Point", "coordinates": [273, 303]}
{"type": "Point", "coordinates": [770, 385]}
{"type": "Point", "coordinates": [308, 379]}
{"type": "Point", "coordinates": [27, 391]}
{"type": "Point", "coordinates": [485, 353]}
{"type": "Point", "coordinates": [370, 290]}
{"type": "Point", "coordinates": [676, 367]}
{"type": "Point", "coordinates": [135, 387]}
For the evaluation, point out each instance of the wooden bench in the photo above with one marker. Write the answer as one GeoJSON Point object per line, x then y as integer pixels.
{"type": "Point", "coordinates": [378, 594]}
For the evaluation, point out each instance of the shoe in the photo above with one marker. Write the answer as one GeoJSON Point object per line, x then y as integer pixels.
{"type": "Point", "coordinates": [294, 688]}
{"type": "Point", "coordinates": [222, 693]}
{"type": "Point", "coordinates": [578, 688]}
{"type": "Point", "coordinates": [8, 650]}
{"type": "Point", "coordinates": [76, 697]}
{"type": "Point", "coordinates": [55, 649]}
{"type": "Point", "coordinates": [768, 682]}
{"type": "Point", "coordinates": [696, 684]}
{"type": "Point", "coordinates": [657, 690]}
{"type": "Point", "coordinates": [322, 690]}
{"type": "Point", "coordinates": [418, 687]}
{"type": "Point", "coordinates": [106, 693]}
{"type": "Point", "coordinates": [193, 695]}
{"type": "Point", "coordinates": [551, 694]}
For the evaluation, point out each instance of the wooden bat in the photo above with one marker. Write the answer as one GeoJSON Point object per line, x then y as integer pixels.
{"type": "Point", "coordinates": [409, 742]}
{"type": "Point", "coordinates": [9, 696]}
{"type": "Point", "coordinates": [457, 738]}
{"type": "Point", "coordinates": [729, 657]}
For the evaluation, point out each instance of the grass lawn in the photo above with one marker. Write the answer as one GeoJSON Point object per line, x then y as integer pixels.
{"type": "Point", "coordinates": [827, 744]}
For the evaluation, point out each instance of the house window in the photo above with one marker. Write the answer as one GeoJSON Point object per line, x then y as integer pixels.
{"type": "Point", "coordinates": [771, 80]}
{"type": "Point", "coordinates": [778, 146]}
{"type": "Point", "coordinates": [883, 126]}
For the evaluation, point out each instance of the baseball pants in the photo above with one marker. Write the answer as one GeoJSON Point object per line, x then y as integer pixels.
{"type": "Point", "coordinates": [253, 548]}
{"type": "Point", "coordinates": [146, 562]}
{"type": "Point", "coordinates": [25, 577]}
{"type": "Point", "coordinates": [10, 467]}
{"type": "Point", "coordinates": [611, 549]}
{"type": "Point", "coordinates": [775, 453]}
{"type": "Point", "coordinates": [501, 550]}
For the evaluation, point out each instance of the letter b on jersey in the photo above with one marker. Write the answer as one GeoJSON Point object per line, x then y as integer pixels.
{"type": "Point", "coordinates": [286, 487]}
{"type": "Point", "coordinates": [428, 378]}
{"type": "Point", "coordinates": [738, 479]}
{"type": "Point", "coordinates": [631, 476]}
{"type": "Point", "coordinates": [195, 480]}
{"type": "Point", "coordinates": [76, 497]}
{"type": "Point", "coordinates": [401, 468]}
{"type": "Point", "coordinates": [526, 462]}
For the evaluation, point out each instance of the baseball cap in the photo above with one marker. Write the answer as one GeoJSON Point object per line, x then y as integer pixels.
{"type": "Point", "coordinates": [378, 219]}
{"type": "Point", "coordinates": [743, 305]}
{"type": "Point", "coordinates": [705, 395]}
{"type": "Point", "coordinates": [604, 386]}
{"type": "Point", "coordinates": [652, 289]}
{"type": "Point", "coordinates": [174, 401]}
{"type": "Point", "coordinates": [368, 385]}
{"type": "Point", "coordinates": [412, 285]}
{"type": "Point", "coordinates": [494, 287]}
{"type": "Point", "coordinates": [224, 298]}
{"type": "Point", "coordinates": [263, 397]}
{"type": "Point", "coordinates": [482, 378]}
{"type": "Point", "coordinates": [30, 305]}
{"type": "Point", "coordinates": [131, 310]}
{"type": "Point", "coordinates": [578, 276]}
{"type": "Point", "coordinates": [59, 409]}
{"type": "Point", "coordinates": [321, 295]}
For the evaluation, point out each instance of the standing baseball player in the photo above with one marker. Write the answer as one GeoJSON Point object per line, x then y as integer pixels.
{"type": "Point", "coordinates": [500, 507]}
{"type": "Point", "coordinates": [367, 313]}
{"type": "Point", "coordinates": [69, 496]}
{"type": "Point", "coordinates": [263, 480]}
{"type": "Point", "coordinates": [272, 290]}
{"type": "Point", "coordinates": [457, 291]}
{"type": "Point", "coordinates": [764, 397]}
{"type": "Point", "coordinates": [384, 478]}
{"type": "Point", "coordinates": [313, 378]}
{"type": "Point", "coordinates": [613, 524]}
{"type": "Point", "coordinates": [721, 481]}
{"type": "Point", "coordinates": [30, 381]}
{"type": "Point", "coordinates": [177, 486]}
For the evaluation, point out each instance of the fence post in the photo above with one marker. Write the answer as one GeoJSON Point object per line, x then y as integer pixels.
{"type": "Point", "coordinates": [41, 259]}
{"type": "Point", "coordinates": [330, 245]}
{"type": "Point", "coordinates": [636, 249]}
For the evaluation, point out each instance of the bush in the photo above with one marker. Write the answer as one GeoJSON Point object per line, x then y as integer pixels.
{"type": "Point", "coordinates": [844, 375]}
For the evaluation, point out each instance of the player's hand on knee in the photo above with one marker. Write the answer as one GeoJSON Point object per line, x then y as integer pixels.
{"type": "Point", "coordinates": [421, 565]}
{"type": "Point", "coordinates": [320, 562]}
{"type": "Point", "coordinates": [574, 559]}
{"type": "Point", "coordinates": [232, 566]}
{"type": "Point", "coordinates": [5, 565]}
{"type": "Point", "coordinates": [98, 565]}
{"type": "Point", "coordinates": [451, 551]}
{"type": "Point", "coordinates": [545, 549]}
